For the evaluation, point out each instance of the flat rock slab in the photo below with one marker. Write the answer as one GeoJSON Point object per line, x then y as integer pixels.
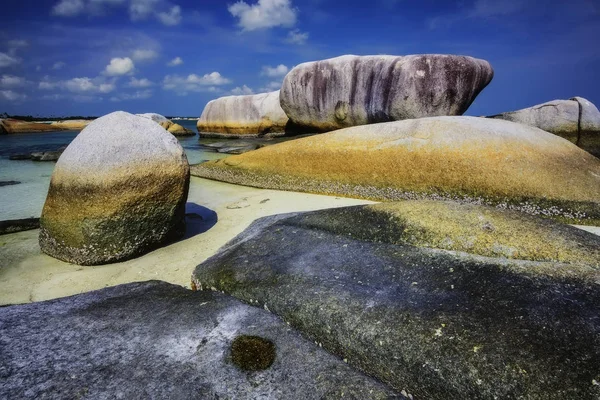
{"type": "Point", "coordinates": [436, 324]}
{"type": "Point", "coordinates": [154, 340]}
{"type": "Point", "coordinates": [18, 225]}
{"type": "Point", "coordinates": [8, 183]}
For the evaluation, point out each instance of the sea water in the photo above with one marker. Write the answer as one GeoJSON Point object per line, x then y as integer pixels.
{"type": "Point", "coordinates": [26, 199]}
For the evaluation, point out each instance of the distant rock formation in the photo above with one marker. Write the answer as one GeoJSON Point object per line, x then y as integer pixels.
{"type": "Point", "coordinates": [467, 158]}
{"type": "Point", "coordinates": [72, 125]}
{"type": "Point", "coordinates": [117, 191]}
{"type": "Point", "coordinates": [169, 125]}
{"type": "Point", "coordinates": [18, 126]}
{"type": "Point", "coordinates": [244, 116]}
{"type": "Point", "coordinates": [358, 90]}
{"type": "Point", "coordinates": [576, 119]}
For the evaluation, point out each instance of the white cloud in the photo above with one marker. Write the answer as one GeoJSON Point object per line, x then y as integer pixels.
{"type": "Point", "coordinates": [139, 83]}
{"type": "Point", "coordinates": [144, 55]}
{"type": "Point", "coordinates": [273, 72]}
{"type": "Point", "coordinates": [141, 9]}
{"type": "Point", "coordinates": [297, 37]}
{"type": "Point", "coordinates": [38, 68]}
{"type": "Point", "coordinates": [68, 8]}
{"type": "Point", "coordinates": [241, 90]}
{"type": "Point", "coordinates": [195, 83]}
{"type": "Point", "coordinates": [83, 85]}
{"type": "Point", "coordinates": [162, 10]}
{"type": "Point", "coordinates": [138, 95]}
{"type": "Point", "coordinates": [264, 14]}
{"type": "Point", "coordinates": [119, 66]}
{"type": "Point", "coordinates": [271, 86]}
{"type": "Point", "coordinates": [175, 62]}
{"type": "Point", "coordinates": [59, 65]}
{"type": "Point", "coordinates": [9, 95]}
{"type": "Point", "coordinates": [11, 81]}
{"type": "Point", "coordinates": [16, 44]}
{"type": "Point", "coordinates": [170, 18]}
{"type": "Point", "coordinates": [7, 61]}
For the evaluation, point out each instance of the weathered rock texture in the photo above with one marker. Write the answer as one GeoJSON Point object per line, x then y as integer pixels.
{"type": "Point", "coordinates": [18, 225]}
{"type": "Point", "coordinates": [252, 115]}
{"type": "Point", "coordinates": [436, 324]}
{"type": "Point", "coordinates": [576, 119]}
{"type": "Point", "coordinates": [467, 158]}
{"type": "Point", "coordinates": [117, 191]}
{"type": "Point", "coordinates": [352, 90]}
{"type": "Point", "coordinates": [18, 126]}
{"type": "Point", "coordinates": [154, 340]}
{"type": "Point", "coordinates": [169, 125]}
{"type": "Point", "coordinates": [75, 124]}
{"type": "Point", "coordinates": [3, 130]}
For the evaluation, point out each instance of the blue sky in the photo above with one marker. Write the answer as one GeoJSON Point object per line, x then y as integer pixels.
{"type": "Point", "coordinates": [91, 57]}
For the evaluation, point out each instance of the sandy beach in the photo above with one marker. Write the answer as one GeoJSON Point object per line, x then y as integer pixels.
{"type": "Point", "coordinates": [27, 275]}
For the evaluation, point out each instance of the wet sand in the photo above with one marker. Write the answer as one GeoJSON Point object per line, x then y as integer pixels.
{"type": "Point", "coordinates": [26, 274]}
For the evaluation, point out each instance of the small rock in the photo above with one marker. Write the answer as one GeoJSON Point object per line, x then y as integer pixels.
{"type": "Point", "coordinates": [8, 183]}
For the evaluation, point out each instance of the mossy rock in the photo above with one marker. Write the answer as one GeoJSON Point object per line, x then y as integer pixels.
{"type": "Point", "coordinates": [475, 160]}
{"type": "Point", "coordinates": [371, 285]}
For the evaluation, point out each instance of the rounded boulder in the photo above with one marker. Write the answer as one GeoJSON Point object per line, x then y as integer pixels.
{"type": "Point", "coordinates": [118, 191]}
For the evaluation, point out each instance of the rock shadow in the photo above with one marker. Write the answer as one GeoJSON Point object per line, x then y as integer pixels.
{"type": "Point", "coordinates": [198, 219]}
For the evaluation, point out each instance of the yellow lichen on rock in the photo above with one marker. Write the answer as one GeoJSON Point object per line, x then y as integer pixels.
{"type": "Point", "coordinates": [492, 161]}
{"type": "Point", "coordinates": [488, 231]}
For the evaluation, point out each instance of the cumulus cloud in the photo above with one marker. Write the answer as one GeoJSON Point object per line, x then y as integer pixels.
{"type": "Point", "coordinates": [241, 90]}
{"type": "Point", "coordinates": [297, 37]}
{"type": "Point", "coordinates": [163, 10]}
{"type": "Point", "coordinates": [138, 95]}
{"type": "Point", "coordinates": [59, 65]}
{"type": "Point", "coordinates": [68, 8]}
{"type": "Point", "coordinates": [87, 85]}
{"type": "Point", "coordinates": [171, 17]}
{"type": "Point", "coordinates": [7, 60]}
{"type": "Point", "coordinates": [139, 83]}
{"type": "Point", "coordinates": [16, 44]}
{"type": "Point", "coordinates": [271, 86]}
{"type": "Point", "coordinates": [12, 96]}
{"type": "Point", "coordinates": [264, 14]}
{"type": "Point", "coordinates": [175, 62]}
{"type": "Point", "coordinates": [11, 81]}
{"type": "Point", "coordinates": [82, 85]}
{"type": "Point", "coordinates": [195, 83]}
{"type": "Point", "coordinates": [273, 72]}
{"type": "Point", "coordinates": [119, 66]}
{"type": "Point", "coordinates": [143, 55]}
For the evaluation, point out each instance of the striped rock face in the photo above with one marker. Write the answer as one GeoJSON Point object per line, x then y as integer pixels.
{"type": "Point", "coordinates": [576, 119]}
{"type": "Point", "coordinates": [469, 159]}
{"type": "Point", "coordinates": [256, 114]}
{"type": "Point", "coordinates": [117, 191]}
{"type": "Point", "coordinates": [352, 90]}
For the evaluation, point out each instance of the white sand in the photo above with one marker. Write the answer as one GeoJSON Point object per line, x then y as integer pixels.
{"type": "Point", "coordinates": [26, 274]}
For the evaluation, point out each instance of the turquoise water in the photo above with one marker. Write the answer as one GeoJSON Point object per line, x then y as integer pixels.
{"type": "Point", "coordinates": [27, 198]}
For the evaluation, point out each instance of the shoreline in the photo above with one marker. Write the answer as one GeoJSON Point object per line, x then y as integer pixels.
{"type": "Point", "coordinates": [27, 275]}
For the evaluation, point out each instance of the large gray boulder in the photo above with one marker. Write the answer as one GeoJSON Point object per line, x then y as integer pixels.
{"type": "Point", "coordinates": [154, 340]}
{"type": "Point", "coordinates": [117, 191]}
{"type": "Point", "coordinates": [441, 300]}
{"type": "Point", "coordinates": [357, 90]}
{"type": "Point", "coordinates": [243, 116]}
{"type": "Point", "coordinates": [576, 119]}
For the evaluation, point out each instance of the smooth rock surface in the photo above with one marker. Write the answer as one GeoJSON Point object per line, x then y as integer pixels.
{"type": "Point", "coordinates": [436, 324]}
{"type": "Point", "coordinates": [117, 191]}
{"type": "Point", "coordinates": [257, 114]}
{"type": "Point", "coordinates": [357, 90]}
{"type": "Point", "coordinates": [154, 340]}
{"type": "Point", "coordinates": [167, 124]}
{"type": "Point", "coordinates": [576, 119]}
{"type": "Point", "coordinates": [18, 126]}
{"type": "Point", "coordinates": [465, 158]}
{"type": "Point", "coordinates": [72, 124]}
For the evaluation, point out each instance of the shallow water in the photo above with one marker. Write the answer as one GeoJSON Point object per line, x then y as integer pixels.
{"type": "Point", "coordinates": [26, 199]}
